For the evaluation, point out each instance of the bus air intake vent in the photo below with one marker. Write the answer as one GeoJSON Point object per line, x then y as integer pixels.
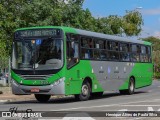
{"type": "Point", "coordinates": [35, 77]}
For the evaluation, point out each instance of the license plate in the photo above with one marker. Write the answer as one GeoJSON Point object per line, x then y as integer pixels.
{"type": "Point", "coordinates": [34, 89]}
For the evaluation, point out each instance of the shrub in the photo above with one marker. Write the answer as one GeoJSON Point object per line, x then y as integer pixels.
{"type": "Point", "coordinates": [157, 75]}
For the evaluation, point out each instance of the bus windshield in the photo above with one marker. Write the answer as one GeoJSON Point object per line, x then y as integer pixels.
{"type": "Point", "coordinates": [37, 54]}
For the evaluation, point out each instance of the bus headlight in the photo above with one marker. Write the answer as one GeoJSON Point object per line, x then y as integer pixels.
{"type": "Point", "coordinates": [59, 81]}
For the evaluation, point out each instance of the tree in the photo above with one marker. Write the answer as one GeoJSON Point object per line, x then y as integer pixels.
{"type": "Point", "coordinates": [4, 42]}
{"type": "Point", "coordinates": [110, 25]}
{"type": "Point", "coordinates": [29, 13]}
{"type": "Point", "coordinates": [132, 23]}
{"type": "Point", "coordinates": [156, 51]}
{"type": "Point", "coordinates": [155, 42]}
{"type": "Point", "coordinates": [129, 24]}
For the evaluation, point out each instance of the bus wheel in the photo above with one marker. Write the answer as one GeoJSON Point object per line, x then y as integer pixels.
{"type": "Point", "coordinates": [85, 92]}
{"type": "Point", "coordinates": [42, 98]}
{"type": "Point", "coordinates": [131, 87]}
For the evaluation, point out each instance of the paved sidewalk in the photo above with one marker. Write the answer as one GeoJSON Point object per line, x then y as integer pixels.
{"type": "Point", "coordinates": [7, 96]}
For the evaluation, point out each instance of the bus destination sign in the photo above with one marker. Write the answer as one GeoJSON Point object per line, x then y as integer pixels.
{"type": "Point", "coordinates": [38, 33]}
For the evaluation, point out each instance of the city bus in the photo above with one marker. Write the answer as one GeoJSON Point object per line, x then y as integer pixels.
{"type": "Point", "coordinates": [56, 60]}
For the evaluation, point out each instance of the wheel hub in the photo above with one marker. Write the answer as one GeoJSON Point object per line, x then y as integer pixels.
{"type": "Point", "coordinates": [85, 90]}
{"type": "Point", "coordinates": [131, 87]}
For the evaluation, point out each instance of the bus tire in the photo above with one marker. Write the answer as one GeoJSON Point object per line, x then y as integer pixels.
{"type": "Point", "coordinates": [131, 87]}
{"type": "Point", "coordinates": [85, 92]}
{"type": "Point", "coordinates": [42, 98]}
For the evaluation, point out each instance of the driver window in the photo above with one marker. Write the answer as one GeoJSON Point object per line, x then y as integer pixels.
{"type": "Point", "coordinates": [72, 50]}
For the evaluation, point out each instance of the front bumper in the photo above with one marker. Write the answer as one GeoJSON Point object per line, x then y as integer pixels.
{"type": "Point", "coordinates": [57, 88]}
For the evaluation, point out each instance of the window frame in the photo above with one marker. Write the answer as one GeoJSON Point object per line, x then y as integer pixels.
{"type": "Point", "coordinates": [70, 40]}
{"type": "Point", "coordinates": [130, 52]}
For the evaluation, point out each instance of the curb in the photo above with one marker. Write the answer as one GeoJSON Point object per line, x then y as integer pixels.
{"type": "Point", "coordinates": [13, 100]}
{"type": "Point", "coordinates": [28, 99]}
{"type": "Point", "coordinates": [5, 101]}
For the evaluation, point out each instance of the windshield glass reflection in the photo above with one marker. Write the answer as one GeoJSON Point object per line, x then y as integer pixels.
{"type": "Point", "coordinates": [39, 54]}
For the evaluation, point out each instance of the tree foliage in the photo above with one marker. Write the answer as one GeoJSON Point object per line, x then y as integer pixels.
{"type": "Point", "coordinates": [156, 51]}
{"type": "Point", "coordinates": [155, 42]}
{"type": "Point", "coordinates": [110, 25]}
{"type": "Point", "coordinates": [28, 13]}
{"type": "Point", "coordinates": [132, 23]}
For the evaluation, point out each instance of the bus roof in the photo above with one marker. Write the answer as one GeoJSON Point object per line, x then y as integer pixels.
{"type": "Point", "coordinates": [110, 37]}
{"type": "Point", "coordinates": [89, 33]}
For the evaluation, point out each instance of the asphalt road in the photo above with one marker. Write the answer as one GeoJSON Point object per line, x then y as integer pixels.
{"type": "Point", "coordinates": [144, 99]}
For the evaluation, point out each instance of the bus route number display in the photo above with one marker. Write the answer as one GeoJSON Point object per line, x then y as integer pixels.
{"type": "Point", "coordinates": [38, 33]}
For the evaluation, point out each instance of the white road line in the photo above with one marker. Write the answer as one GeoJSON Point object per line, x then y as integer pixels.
{"type": "Point", "coordinates": [137, 118]}
{"type": "Point", "coordinates": [89, 107]}
{"type": "Point", "coordinates": [156, 99]}
{"type": "Point", "coordinates": [150, 109]}
{"type": "Point", "coordinates": [140, 105]}
{"type": "Point", "coordinates": [49, 119]}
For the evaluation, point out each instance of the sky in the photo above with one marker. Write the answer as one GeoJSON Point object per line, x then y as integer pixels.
{"type": "Point", "coordinates": [150, 10]}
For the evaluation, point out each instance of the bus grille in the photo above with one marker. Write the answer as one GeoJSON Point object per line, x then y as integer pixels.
{"type": "Point", "coordinates": [35, 77]}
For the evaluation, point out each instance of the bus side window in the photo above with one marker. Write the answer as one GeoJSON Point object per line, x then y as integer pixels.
{"type": "Point", "coordinates": [135, 53]}
{"type": "Point", "coordinates": [149, 53]}
{"type": "Point", "coordinates": [86, 48]}
{"type": "Point", "coordinates": [143, 56]}
{"type": "Point", "coordinates": [124, 49]}
{"type": "Point", "coordinates": [72, 52]}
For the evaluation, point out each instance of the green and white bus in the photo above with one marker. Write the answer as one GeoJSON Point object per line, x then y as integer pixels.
{"type": "Point", "coordinates": [55, 60]}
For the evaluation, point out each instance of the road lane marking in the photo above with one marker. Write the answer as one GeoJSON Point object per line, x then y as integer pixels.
{"type": "Point", "coordinates": [89, 107]}
{"type": "Point", "coordinates": [49, 119]}
{"type": "Point", "coordinates": [150, 109]}
{"type": "Point", "coordinates": [123, 110]}
{"type": "Point", "coordinates": [156, 99]}
{"type": "Point", "coordinates": [140, 105]}
{"type": "Point", "coordinates": [80, 116]}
